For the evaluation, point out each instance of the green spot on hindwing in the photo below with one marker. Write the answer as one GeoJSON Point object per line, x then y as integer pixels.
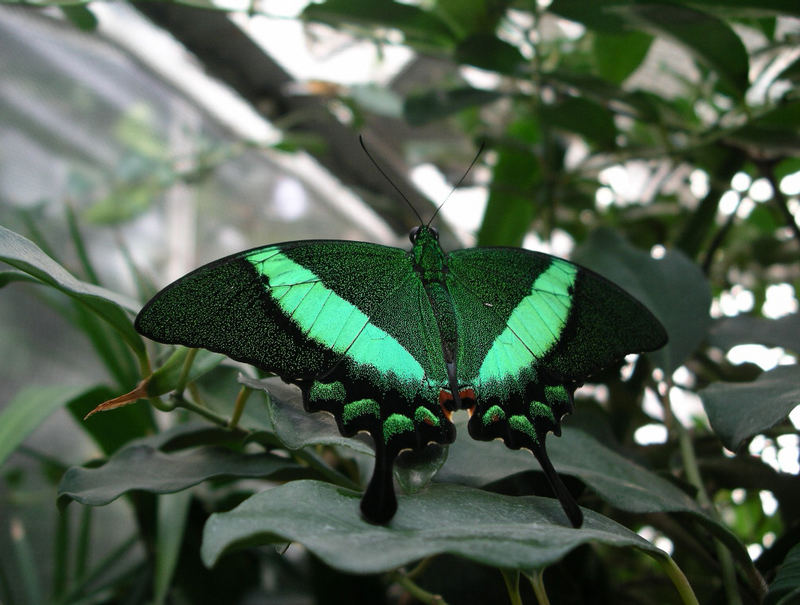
{"type": "Point", "coordinates": [395, 425]}
{"type": "Point", "coordinates": [423, 414]}
{"type": "Point", "coordinates": [523, 425]}
{"type": "Point", "coordinates": [361, 407]}
{"type": "Point", "coordinates": [331, 391]}
{"type": "Point", "coordinates": [556, 394]}
{"type": "Point", "coordinates": [493, 414]}
{"type": "Point", "coordinates": [541, 410]}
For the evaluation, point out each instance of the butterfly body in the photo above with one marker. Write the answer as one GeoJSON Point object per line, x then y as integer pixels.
{"type": "Point", "coordinates": [391, 341]}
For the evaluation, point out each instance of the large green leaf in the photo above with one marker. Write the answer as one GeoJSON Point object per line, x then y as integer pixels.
{"type": "Point", "coordinates": [425, 107]}
{"type": "Point", "coordinates": [142, 466]}
{"type": "Point", "coordinates": [710, 40]}
{"type": "Point", "coordinates": [672, 287]}
{"type": "Point", "coordinates": [26, 256]}
{"type": "Point", "coordinates": [584, 117]}
{"type": "Point", "coordinates": [620, 482]}
{"type": "Point", "coordinates": [516, 533]}
{"type": "Point", "coordinates": [785, 588]}
{"type": "Point", "coordinates": [617, 54]}
{"type": "Point", "coordinates": [32, 406]}
{"type": "Point", "coordinates": [489, 52]}
{"type": "Point", "coordinates": [783, 332]}
{"type": "Point", "coordinates": [420, 27]}
{"type": "Point", "coordinates": [738, 411]}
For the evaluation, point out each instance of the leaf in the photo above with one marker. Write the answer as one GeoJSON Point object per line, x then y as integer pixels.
{"type": "Point", "coordinates": [600, 16]}
{"type": "Point", "coordinates": [515, 533]}
{"type": "Point", "coordinates": [738, 411]}
{"type": "Point", "coordinates": [583, 117]}
{"type": "Point", "coordinates": [489, 52]}
{"type": "Point", "coordinates": [774, 134]}
{"type": "Point", "coordinates": [785, 588]}
{"type": "Point", "coordinates": [471, 16]}
{"type": "Point", "coordinates": [421, 28]}
{"type": "Point", "coordinates": [516, 179]}
{"type": "Point", "coordinates": [433, 105]}
{"type": "Point", "coordinates": [750, 8]}
{"type": "Point", "coordinates": [32, 406]}
{"type": "Point", "coordinates": [618, 54]}
{"type": "Point", "coordinates": [618, 481]}
{"type": "Point", "coordinates": [783, 332]}
{"type": "Point", "coordinates": [7, 277]}
{"type": "Point", "coordinates": [672, 287]}
{"type": "Point", "coordinates": [296, 428]}
{"type": "Point", "coordinates": [26, 256]}
{"type": "Point", "coordinates": [173, 510]}
{"type": "Point", "coordinates": [141, 465]}
{"type": "Point", "coordinates": [80, 16]}
{"type": "Point", "coordinates": [710, 40]}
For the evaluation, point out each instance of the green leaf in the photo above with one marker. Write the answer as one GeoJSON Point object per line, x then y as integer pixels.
{"type": "Point", "coordinates": [773, 134]}
{"type": "Point", "coordinates": [710, 40]}
{"type": "Point", "coordinates": [617, 55]}
{"type": "Point", "coordinates": [23, 254]}
{"type": "Point", "coordinates": [738, 411]}
{"type": "Point", "coordinates": [516, 181]}
{"type": "Point", "coordinates": [32, 406]}
{"type": "Point", "coordinates": [605, 93]}
{"type": "Point", "coordinates": [783, 332]}
{"type": "Point", "coordinates": [785, 588]}
{"type": "Point", "coordinates": [173, 510]}
{"type": "Point", "coordinates": [471, 16]}
{"type": "Point", "coordinates": [516, 533]}
{"type": "Point", "coordinates": [7, 277]}
{"type": "Point", "coordinates": [672, 287]}
{"type": "Point", "coordinates": [600, 16]}
{"type": "Point", "coordinates": [583, 117]}
{"type": "Point", "coordinates": [296, 428]}
{"type": "Point", "coordinates": [141, 465]}
{"type": "Point", "coordinates": [489, 52]}
{"type": "Point", "coordinates": [80, 16]}
{"type": "Point", "coordinates": [749, 8]}
{"type": "Point", "coordinates": [618, 481]}
{"type": "Point", "coordinates": [421, 28]}
{"type": "Point", "coordinates": [165, 378]}
{"type": "Point", "coordinates": [433, 105]}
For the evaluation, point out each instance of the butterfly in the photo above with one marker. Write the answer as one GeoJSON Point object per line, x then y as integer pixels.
{"type": "Point", "coordinates": [393, 341]}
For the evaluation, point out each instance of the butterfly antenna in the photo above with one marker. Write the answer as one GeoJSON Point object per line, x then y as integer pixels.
{"type": "Point", "coordinates": [461, 180]}
{"type": "Point", "coordinates": [386, 176]}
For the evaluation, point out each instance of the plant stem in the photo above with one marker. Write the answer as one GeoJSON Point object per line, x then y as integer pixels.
{"type": "Point", "coordinates": [692, 470]}
{"type": "Point", "coordinates": [537, 583]}
{"type": "Point", "coordinates": [187, 367]}
{"type": "Point", "coordinates": [511, 578]}
{"type": "Point", "coordinates": [241, 400]}
{"type": "Point", "coordinates": [414, 590]}
{"type": "Point", "coordinates": [677, 577]}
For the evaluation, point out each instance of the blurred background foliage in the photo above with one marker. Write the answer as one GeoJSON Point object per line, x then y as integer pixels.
{"type": "Point", "coordinates": [656, 142]}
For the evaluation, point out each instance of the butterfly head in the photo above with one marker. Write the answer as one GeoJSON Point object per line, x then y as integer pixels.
{"type": "Point", "coordinates": [423, 233]}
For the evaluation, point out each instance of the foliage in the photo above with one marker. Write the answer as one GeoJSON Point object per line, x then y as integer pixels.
{"type": "Point", "coordinates": [567, 107]}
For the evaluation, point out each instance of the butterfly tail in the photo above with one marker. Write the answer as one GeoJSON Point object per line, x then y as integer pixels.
{"type": "Point", "coordinates": [568, 503]}
{"type": "Point", "coordinates": [379, 503]}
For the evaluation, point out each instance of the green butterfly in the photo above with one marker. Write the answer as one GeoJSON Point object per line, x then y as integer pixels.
{"type": "Point", "coordinates": [391, 341]}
